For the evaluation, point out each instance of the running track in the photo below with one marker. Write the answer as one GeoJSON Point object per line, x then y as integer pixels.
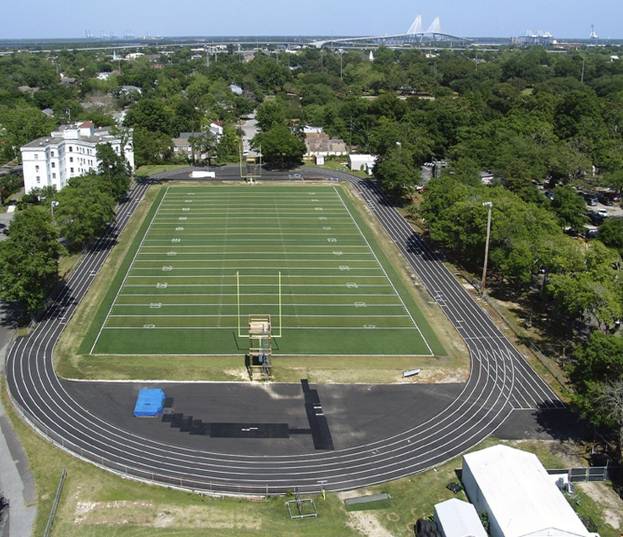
{"type": "Point", "coordinates": [500, 382]}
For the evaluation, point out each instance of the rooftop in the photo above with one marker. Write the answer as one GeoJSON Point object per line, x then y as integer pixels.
{"type": "Point", "coordinates": [521, 494]}
{"type": "Point", "coordinates": [62, 134]}
{"type": "Point", "coordinates": [459, 519]}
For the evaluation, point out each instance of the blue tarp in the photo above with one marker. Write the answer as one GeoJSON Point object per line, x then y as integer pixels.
{"type": "Point", "coordinates": [149, 403]}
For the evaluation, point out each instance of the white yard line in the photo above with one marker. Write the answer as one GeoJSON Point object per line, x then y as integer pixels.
{"type": "Point", "coordinates": [128, 271]}
{"type": "Point", "coordinates": [365, 329]}
{"type": "Point", "coordinates": [383, 269]}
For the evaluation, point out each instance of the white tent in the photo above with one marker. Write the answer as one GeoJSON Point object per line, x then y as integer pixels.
{"type": "Point", "coordinates": [518, 495]}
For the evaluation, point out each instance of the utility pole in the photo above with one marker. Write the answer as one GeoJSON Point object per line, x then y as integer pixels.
{"type": "Point", "coordinates": [489, 206]}
{"type": "Point", "coordinates": [341, 52]}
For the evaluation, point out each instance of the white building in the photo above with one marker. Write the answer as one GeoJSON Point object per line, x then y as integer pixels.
{"type": "Point", "coordinates": [520, 498]}
{"type": "Point", "coordinates": [455, 518]}
{"type": "Point", "coordinates": [361, 163]}
{"type": "Point", "coordinates": [70, 151]}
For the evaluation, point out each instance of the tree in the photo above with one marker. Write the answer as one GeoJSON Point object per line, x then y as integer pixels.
{"type": "Point", "coordinates": [280, 147]}
{"type": "Point", "coordinates": [85, 208]}
{"type": "Point", "coordinates": [9, 184]}
{"type": "Point", "coordinates": [397, 173]}
{"type": "Point", "coordinates": [599, 359]}
{"type": "Point", "coordinates": [615, 181]}
{"type": "Point", "coordinates": [270, 114]}
{"type": "Point", "coordinates": [611, 233]}
{"type": "Point", "coordinates": [114, 169]}
{"type": "Point", "coordinates": [609, 401]}
{"type": "Point", "coordinates": [227, 148]}
{"type": "Point", "coordinates": [570, 207]}
{"type": "Point", "coordinates": [203, 144]}
{"type": "Point", "coordinates": [19, 125]}
{"type": "Point", "coordinates": [29, 259]}
{"type": "Point", "coordinates": [152, 115]}
{"type": "Point", "coordinates": [151, 147]}
{"type": "Point", "coordinates": [592, 293]}
{"type": "Point", "coordinates": [597, 373]}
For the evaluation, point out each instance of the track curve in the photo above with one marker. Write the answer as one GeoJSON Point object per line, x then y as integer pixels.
{"type": "Point", "coordinates": [500, 381]}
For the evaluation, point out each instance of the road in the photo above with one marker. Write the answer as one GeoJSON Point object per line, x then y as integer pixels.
{"type": "Point", "coordinates": [500, 382]}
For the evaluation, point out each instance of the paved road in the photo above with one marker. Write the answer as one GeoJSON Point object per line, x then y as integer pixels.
{"type": "Point", "coordinates": [500, 382]}
{"type": "Point", "coordinates": [16, 481]}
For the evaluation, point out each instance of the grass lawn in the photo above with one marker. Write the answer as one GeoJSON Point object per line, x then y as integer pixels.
{"type": "Point", "coordinates": [342, 166]}
{"type": "Point", "coordinates": [150, 169]}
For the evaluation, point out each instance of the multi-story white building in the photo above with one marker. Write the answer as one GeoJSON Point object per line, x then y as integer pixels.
{"type": "Point", "coordinates": [69, 151]}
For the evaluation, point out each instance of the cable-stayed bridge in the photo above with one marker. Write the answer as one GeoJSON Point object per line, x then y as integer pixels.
{"type": "Point", "coordinates": [414, 36]}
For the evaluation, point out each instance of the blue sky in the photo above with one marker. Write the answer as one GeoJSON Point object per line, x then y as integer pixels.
{"type": "Point", "coordinates": [63, 18]}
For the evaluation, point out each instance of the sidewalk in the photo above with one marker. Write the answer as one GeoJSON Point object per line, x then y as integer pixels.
{"type": "Point", "coordinates": [16, 481]}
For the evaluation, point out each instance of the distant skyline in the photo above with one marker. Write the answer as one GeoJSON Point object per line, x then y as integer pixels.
{"type": "Point", "coordinates": [563, 18]}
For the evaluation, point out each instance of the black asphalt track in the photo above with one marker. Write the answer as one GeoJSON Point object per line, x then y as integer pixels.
{"type": "Point", "coordinates": [327, 437]}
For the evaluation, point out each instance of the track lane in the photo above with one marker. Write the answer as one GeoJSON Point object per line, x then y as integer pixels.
{"type": "Point", "coordinates": [487, 398]}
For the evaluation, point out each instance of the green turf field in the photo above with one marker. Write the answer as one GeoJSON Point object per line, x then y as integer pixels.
{"type": "Point", "coordinates": [209, 256]}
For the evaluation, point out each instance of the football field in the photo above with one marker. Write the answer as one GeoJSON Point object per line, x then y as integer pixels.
{"type": "Point", "coordinates": [207, 257]}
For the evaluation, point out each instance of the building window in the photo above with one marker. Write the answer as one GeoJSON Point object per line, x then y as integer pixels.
{"type": "Point", "coordinates": [38, 179]}
{"type": "Point", "coordinates": [53, 164]}
{"type": "Point", "coordinates": [71, 159]}
{"type": "Point", "coordinates": [71, 149]}
{"type": "Point", "coordinates": [37, 168]}
{"type": "Point", "coordinates": [52, 153]}
{"type": "Point", "coordinates": [71, 170]}
{"type": "Point", "coordinates": [53, 176]}
{"type": "Point", "coordinates": [37, 156]}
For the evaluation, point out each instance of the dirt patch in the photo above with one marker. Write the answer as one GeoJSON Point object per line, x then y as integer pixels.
{"type": "Point", "coordinates": [364, 522]}
{"type": "Point", "coordinates": [237, 374]}
{"type": "Point", "coordinates": [608, 500]}
{"type": "Point", "coordinates": [148, 514]}
{"type": "Point", "coordinates": [367, 524]}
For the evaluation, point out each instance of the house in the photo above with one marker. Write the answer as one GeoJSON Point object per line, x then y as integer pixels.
{"type": "Point", "coordinates": [361, 163]}
{"type": "Point", "coordinates": [48, 112]}
{"type": "Point", "coordinates": [104, 75]}
{"type": "Point", "coordinates": [319, 144]}
{"type": "Point", "coordinates": [130, 90]}
{"type": "Point", "coordinates": [134, 56]}
{"type": "Point", "coordinates": [235, 89]}
{"type": "Point", "coordinates": [486, 177]}
{"type": "Point", "coordinates": [70, 151]}
{"type": "Point", "coordinates": [183, 147]}
{"type": "Point", "coordinates": [456, 518]}
{"type": "Point", "coordinates": [518, 496]}
{"type": "Point", "coordinates": [67, 80]}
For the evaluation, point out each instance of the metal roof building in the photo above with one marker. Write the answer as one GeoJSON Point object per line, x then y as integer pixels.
{"type": "Point", "coordinates": [456, 518]}
{"type": "Point", "coordinates": [518, 495]}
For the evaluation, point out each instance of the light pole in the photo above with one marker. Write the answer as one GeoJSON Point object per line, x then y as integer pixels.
{"type": "Point", "coordinates": [53, 204]}
{"type": "Point", "coordinates": [489, 206]}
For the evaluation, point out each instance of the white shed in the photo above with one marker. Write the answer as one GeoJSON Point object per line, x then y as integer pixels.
{"type": "Point", "coordinates": [518, 495]}
{"type": "Point", "coordinates": [456, 518]}
{"type": "Point", "coordinates": [361, 162]}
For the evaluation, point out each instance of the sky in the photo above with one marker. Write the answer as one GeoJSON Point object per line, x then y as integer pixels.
{"type": "Point", "coordinates": [65, 18]}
